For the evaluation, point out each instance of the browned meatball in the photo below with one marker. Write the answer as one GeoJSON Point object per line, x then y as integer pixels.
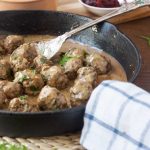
{"type": "Point", "coordinates": [12, 89]}
{"type": "Point", "coordinates": [22, 58]}
{"type": "Point", "coordinates": [2, 84]}
{"type": "Point", "coordinates": [72, 66]}
{"type": "Point", "coordinates": [5, 69]}
{"type": "Point", "coordinates": [51, 99]}
{"type": "Point", "coordinates": [55, 76]}
{"type": "Point", "coordinates": [41, 61]}
{"type": "Point", "coordinates": [22, 105]}
{"type": "Point", "coordinates": [2, 49]}
{"type": "Point", "coordinates": [12, 42]}
{"type": "Point", "coordinates": [32, 82]}
{"type": "Point", "coordinates": [99, 62]}
{"type": "Point", "coordinates": [75, 52]}
{"type": "Point", "coordinates": [80, 92]}
{"type": "Point", "coordinates": [88, 74]}
{"type": "Point", "coordinates": [3, 99]}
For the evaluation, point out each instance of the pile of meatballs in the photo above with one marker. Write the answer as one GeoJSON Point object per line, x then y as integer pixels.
{"type": "Point", "coordinates": [26, 74]}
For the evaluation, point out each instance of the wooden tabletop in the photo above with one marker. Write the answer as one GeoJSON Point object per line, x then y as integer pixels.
{"type": "Point", "coordinates": [134, 30]}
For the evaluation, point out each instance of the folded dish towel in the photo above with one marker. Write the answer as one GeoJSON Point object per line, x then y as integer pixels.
{"type": "Point", "coordinates": [117, 117]}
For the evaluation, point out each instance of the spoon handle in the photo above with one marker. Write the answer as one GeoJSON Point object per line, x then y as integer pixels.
{"type": "Point", "coordinates": [123, 9]}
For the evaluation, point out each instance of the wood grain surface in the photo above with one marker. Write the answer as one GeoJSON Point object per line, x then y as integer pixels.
{"type": "Point", "coordinates": [133, 29]}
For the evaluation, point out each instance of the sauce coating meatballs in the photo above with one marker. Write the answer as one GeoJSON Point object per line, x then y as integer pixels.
{"type": "Point", "coordinates": [88, 74]}
{"type": "Point", "coordinates": [2, 49]}
{"type": "Point", "coordinates": [80, 92]}
{"type": "Point", "coordinates": [22, 105]}
{"type": "Point", "coordinates": [2, 99]}
{"type": "Point", "coordinates": [50, 99]}
{"type": "Point", "coordinates": [5, 69]}
{"type": "Point", "coordinates": [99, 62]}
{"type": "Point", "coordinates": [22, 58]}
{"type": "Point", "coordinates": [29, 82]}
{"type": "Point", "coordinates": [41, 61]}
{"type": "Point", "coordinates": [11, 89]}
{"type": "Point", "coordinates": [72, 66]}
{"type": "Point", "coordinates": [32, 82]}
{"type": "Point", "coordinates": [12, 42]}
{"type": "Point", "coordinates": [76, 52]}
{"type": "Point", "coordinates": [55, 76]}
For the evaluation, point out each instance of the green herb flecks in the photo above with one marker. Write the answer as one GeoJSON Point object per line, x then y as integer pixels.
{"type": "Point", "coordinates": [23, 97]}
{"type": "Point", "coordinates": [7, 146]}
{"type": "Point", "coordinates": [65, 59]}
{"type": "Point", "coordinates": [23, 78]}
{"type": "Point", "coordinates": [147, 39]}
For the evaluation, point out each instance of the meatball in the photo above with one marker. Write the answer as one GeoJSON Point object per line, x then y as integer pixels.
{"type": "Point", "coordinates": [12, 42]}
{"type": "Point", "coordinates": [88, 74]}
{"type": "Point", "coordinates": [22, 58]}
{"type": "Point", "coordinates": [41, 61]}
{"type": "Point", "coordinates": [32, 82]}
{"type": "Point", "coordinates": [2, 84]}
{"type": "Point", "coordinates": [51, 99]}
{"type": "Point", "coordinates": [80, 92]}
{"type": "Point", "coordinates": [99, 62]}
{"type": "Point", "coordinates": [55, 76]}
{"type": "Point", "coordinates": [72, 66]}
{"type": "Point", "coordinates": [22, 105]}
{"type": "Point", "coordinates": [12, 89]}
{"type": "Point", "coordinates": [2, 49]}
{"type": "Point", "coordinates": [3, 99]}
{"type": "Point", "coordinates": [75, 52]}
{"type": "Point", "coordinates": [5, 69]}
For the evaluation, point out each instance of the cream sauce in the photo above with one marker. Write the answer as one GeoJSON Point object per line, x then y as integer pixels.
{"type": "Point", "coordinates": [117, 72]}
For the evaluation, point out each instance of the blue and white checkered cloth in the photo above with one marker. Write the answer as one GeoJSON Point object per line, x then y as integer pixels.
{"type": "Point", "coordinates": [117, 117]}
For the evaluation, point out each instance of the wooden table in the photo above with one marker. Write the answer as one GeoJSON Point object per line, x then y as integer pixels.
{"type": "Point", "coordinates": [134, 30]}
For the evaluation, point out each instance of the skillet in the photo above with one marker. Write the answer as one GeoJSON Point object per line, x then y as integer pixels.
{"type": "Point", "coordinates": [104, 36]}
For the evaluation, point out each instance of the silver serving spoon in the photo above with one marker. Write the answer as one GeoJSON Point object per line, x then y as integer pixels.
{"type": "Point", "coordinates": [52, 47]}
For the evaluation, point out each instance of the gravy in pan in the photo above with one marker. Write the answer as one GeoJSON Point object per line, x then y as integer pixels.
{"type": "Point", "coordinates": [75, 93]}
{"type": "Point", "coordinates": [117, 72]}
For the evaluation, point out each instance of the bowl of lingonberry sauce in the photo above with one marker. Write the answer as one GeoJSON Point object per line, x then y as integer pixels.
{"type": "Point", "coordinates": [100, 7]}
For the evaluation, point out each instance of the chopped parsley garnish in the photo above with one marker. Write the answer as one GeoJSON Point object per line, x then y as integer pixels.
{"type": "Point", "coordinates": [23, 97]}
{"type": "Point", "coordinates": [7, 146]}
{"type": "Point", "coordinates": [64, 59]}
{"type": "Point", "coordinates": [23, 78]}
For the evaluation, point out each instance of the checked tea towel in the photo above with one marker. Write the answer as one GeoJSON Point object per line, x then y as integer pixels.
{"type": "Point", "coordinates": [117, 117]}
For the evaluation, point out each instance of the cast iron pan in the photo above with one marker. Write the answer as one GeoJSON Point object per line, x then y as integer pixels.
{"type": "Point", "coordinates": [107, 37]}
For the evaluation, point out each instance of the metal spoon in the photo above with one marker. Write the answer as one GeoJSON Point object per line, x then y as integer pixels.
{"type": "Point", "coordinates": [52, 47]}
